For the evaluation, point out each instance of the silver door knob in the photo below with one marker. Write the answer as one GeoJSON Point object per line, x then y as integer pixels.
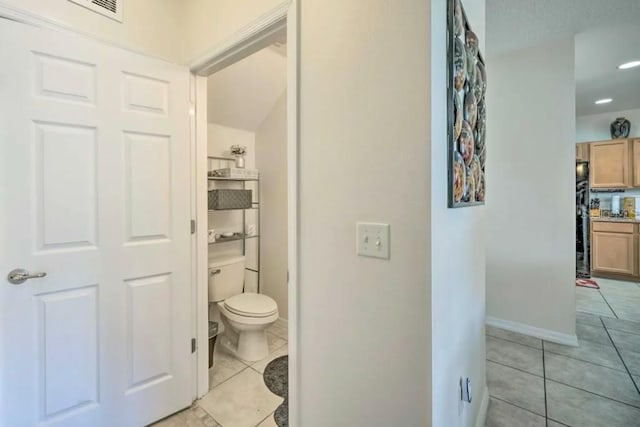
{"type": "Point", "coordinates": [20, 275]}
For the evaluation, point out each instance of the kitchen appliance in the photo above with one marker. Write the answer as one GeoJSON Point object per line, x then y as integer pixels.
{"type": "Point", "coordinates": [583, 267]}
{"type": "Point", "coordinates": [615, 205]}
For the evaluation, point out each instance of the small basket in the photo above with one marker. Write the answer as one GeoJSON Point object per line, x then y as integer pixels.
{"type": "Point", "coordinates": [223, 199]}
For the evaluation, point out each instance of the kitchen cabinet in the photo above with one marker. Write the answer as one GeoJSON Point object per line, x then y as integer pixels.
{"type": "Point", "coordinates": [635, 164]}
{"type": "Point", "coordinates": [614, 248]}
{"type": "Point", "coordinates": [582, 151]}
{"type": "Point", "coordinates": [609, 164]}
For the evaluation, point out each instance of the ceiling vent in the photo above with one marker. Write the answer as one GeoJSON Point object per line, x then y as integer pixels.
{"type": "Point", "coordinates": [109, 8]}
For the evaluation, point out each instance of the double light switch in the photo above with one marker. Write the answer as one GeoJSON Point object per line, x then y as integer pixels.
{"type": "Point", "coordinates": [372, 239]}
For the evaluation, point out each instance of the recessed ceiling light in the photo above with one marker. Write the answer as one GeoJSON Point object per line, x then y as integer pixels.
{"type": "Point", "coordinates": [604, 101]}
{"type": "Point", "coordinates": [628, 65]}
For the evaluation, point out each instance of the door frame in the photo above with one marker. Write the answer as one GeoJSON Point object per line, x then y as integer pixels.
{"type": "Point", "coordinates": [258, 34]}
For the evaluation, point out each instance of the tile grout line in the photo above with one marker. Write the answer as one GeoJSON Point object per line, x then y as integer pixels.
{"type": "Point", "coordinates": [245, 367]}
{"type": "Point", "coordinates": [513, 404]}
{"type": "Point", "coordinates": [594, 394]}
{"type": "Point", "coordinates": [608, 305]}
{"type": "Point", "coordinates": [515, 342]}
{"type": "Point", "coordinates": [558, 422]}
{"type": "Point", "coordinates": [234, 375]}
{"type": "Point", "coordinates": [263, 420]}
{"type": "Point", "coordinates": [514, 368]}
{"type": "Point", "coordinates": [557, 354]}
{"type": "Point", "coordinates": [621, 358]}
{"type": "Point", "coordinates": [624, 331]}
{"type": "Point", "coordinates": [544, 384]}
{"type": "Point", "coordinates": [237, 373]}
{"type": "Point", "coordinates": [586, 361]}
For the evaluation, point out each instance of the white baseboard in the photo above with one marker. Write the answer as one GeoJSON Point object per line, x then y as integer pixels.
{"type": "Point", "coordinates": [484, 406]}
{"type": "Point", "coordinates": [544, 334]}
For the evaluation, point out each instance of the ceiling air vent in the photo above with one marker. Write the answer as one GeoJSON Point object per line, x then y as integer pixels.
{"type": "Point", "coordinates": [109, 8]}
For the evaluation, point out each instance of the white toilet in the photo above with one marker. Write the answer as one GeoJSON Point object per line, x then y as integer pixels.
{"type": "Point", "coordinates": [245, 316]}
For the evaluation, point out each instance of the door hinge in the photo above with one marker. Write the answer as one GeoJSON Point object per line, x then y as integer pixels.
{"type": "Point", "coordinates": [192, 109]}
{"type": "Point", "coordinates": [193, 226]}
{"type": "Point", "coordinates": [193, 345]}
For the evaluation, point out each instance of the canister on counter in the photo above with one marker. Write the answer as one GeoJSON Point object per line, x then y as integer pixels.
{"type": "Point", "coordinates": [629, 208]}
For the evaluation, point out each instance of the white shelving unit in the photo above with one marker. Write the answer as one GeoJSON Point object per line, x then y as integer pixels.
{"type": "Point", "coordinates": [255, 205]}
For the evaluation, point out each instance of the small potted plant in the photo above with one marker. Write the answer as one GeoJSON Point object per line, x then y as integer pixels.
{"type": "Point", "coordinates": [239, 151]}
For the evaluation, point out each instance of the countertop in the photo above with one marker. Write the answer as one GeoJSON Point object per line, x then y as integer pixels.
{"type": "Point", "coordinates": [609, 219]}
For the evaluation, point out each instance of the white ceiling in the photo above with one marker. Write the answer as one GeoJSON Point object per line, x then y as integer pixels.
{"type": "Point", "coordinates": [598, 54]}
{"type": "Point", "coordinates": [516, 24]}
{"type": "Point", "coordinates": [241, 95]}
{"type": "Point", "coordinates": [607, 34]}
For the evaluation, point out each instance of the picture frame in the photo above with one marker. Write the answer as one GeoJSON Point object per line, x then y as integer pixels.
{"type": "Point", "coordinates": [466, 111]}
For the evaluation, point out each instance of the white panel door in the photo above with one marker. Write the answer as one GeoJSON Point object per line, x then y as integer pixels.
{"type": "Point", "coordinates": [94, 191]}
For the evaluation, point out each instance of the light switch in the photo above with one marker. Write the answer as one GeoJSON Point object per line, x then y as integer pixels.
{"type": "Point", "coordinates": [372, 239]}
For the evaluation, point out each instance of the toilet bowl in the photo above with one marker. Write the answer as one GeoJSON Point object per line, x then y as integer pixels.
{"type": "Point", "coordinates": [245, 316]}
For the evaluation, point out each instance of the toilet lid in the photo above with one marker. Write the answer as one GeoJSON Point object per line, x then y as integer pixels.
{"type": "Point", "coordinates": [251, 305]}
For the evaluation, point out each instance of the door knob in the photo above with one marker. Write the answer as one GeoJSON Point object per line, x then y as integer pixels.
{"type": "Point", "coordinates": [20, 275]}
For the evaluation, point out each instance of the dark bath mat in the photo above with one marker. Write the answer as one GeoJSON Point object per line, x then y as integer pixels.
{"type": "Point", "coordinates": [276, 378]}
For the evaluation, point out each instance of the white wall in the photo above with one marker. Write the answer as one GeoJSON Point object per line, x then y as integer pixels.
{"type": "Point", "coordinates": [242, 94]}
{"type": "Point", "coordinates": [531, 188]}
{"type": "Point", "coordinates": [176, 30]}
{"type": "Point", "coordinates": [595, 127]}
{"type": "Point", "coordinates": [209, 22]}
{"type": "Point", "coordinates": [149, 26]}
{"type": "Point", "coordinates": [457, 254]}
{"type": "Point", "coordinates": [271, 160]}
{"type": "Point", "coordinates": [364, 337]}
{"type": "Point", "coordinates": [220, 138]}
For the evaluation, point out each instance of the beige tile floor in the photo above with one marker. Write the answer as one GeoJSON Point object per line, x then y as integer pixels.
{"type": "Point", "coordinates": [238, 396]}
{"type": "Point", "coordinates": [536, 383]}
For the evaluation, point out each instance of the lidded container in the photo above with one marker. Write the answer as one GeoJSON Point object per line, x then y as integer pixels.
{"type": "Point", "coordinates": [226, 277]}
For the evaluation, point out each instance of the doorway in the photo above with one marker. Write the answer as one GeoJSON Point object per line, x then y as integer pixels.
{"type": "Point", "coordinates": [265, 127]}
{"type": "Point", "coordinates": [246, 121]}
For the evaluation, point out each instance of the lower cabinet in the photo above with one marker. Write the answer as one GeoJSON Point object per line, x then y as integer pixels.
{"type": "Point", "coordinates": [614, 248]}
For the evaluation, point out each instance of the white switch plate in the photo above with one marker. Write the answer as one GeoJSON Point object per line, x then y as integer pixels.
{"type": "Point", "coordinates": [372, 239]}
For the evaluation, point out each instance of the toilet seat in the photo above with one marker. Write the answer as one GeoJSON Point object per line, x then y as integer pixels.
{"type": "Point", "coordinates": [251, 305]}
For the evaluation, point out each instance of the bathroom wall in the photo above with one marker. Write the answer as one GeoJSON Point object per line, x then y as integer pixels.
{"type": "Point", "coordinates": [220, 138]}
{"type": "Point", "coordinates": [595, 127]}
{"type": "Point", "coordinates": [271, 160]}
{"type": "Point", "coordinates": [531, 190]}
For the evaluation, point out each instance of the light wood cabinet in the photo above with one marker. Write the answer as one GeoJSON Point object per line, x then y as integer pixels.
{"type": "Point", "coordinates": [635, 162]}
{"type": "Point", "coordinates": [609, 164]}
{"type": "Point", "coordinates": [582, 151]}
{"type": "Point", "coordinates": [614, 248]}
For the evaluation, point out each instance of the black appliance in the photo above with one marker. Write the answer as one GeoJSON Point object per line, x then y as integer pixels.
{"type": "Point", "coordinates": [583, 267]}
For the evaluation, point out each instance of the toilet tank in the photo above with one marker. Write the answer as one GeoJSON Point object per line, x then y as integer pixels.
{"type": "Point", "coordinates": [226, 277]}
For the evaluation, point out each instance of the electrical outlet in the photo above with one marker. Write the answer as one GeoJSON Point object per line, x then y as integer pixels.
{"type": "Point", "coordinates": [465, 389]}
{"type": "Point", "coordinates": [373, 240]}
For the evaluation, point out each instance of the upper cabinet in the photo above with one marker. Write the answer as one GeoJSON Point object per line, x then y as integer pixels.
{"type": "Point", "coordinates": [582, 151]}
{"type": "Point", "coordinates": [609, 164]}
{"type": "Point", "coordinates": [635, 164]}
